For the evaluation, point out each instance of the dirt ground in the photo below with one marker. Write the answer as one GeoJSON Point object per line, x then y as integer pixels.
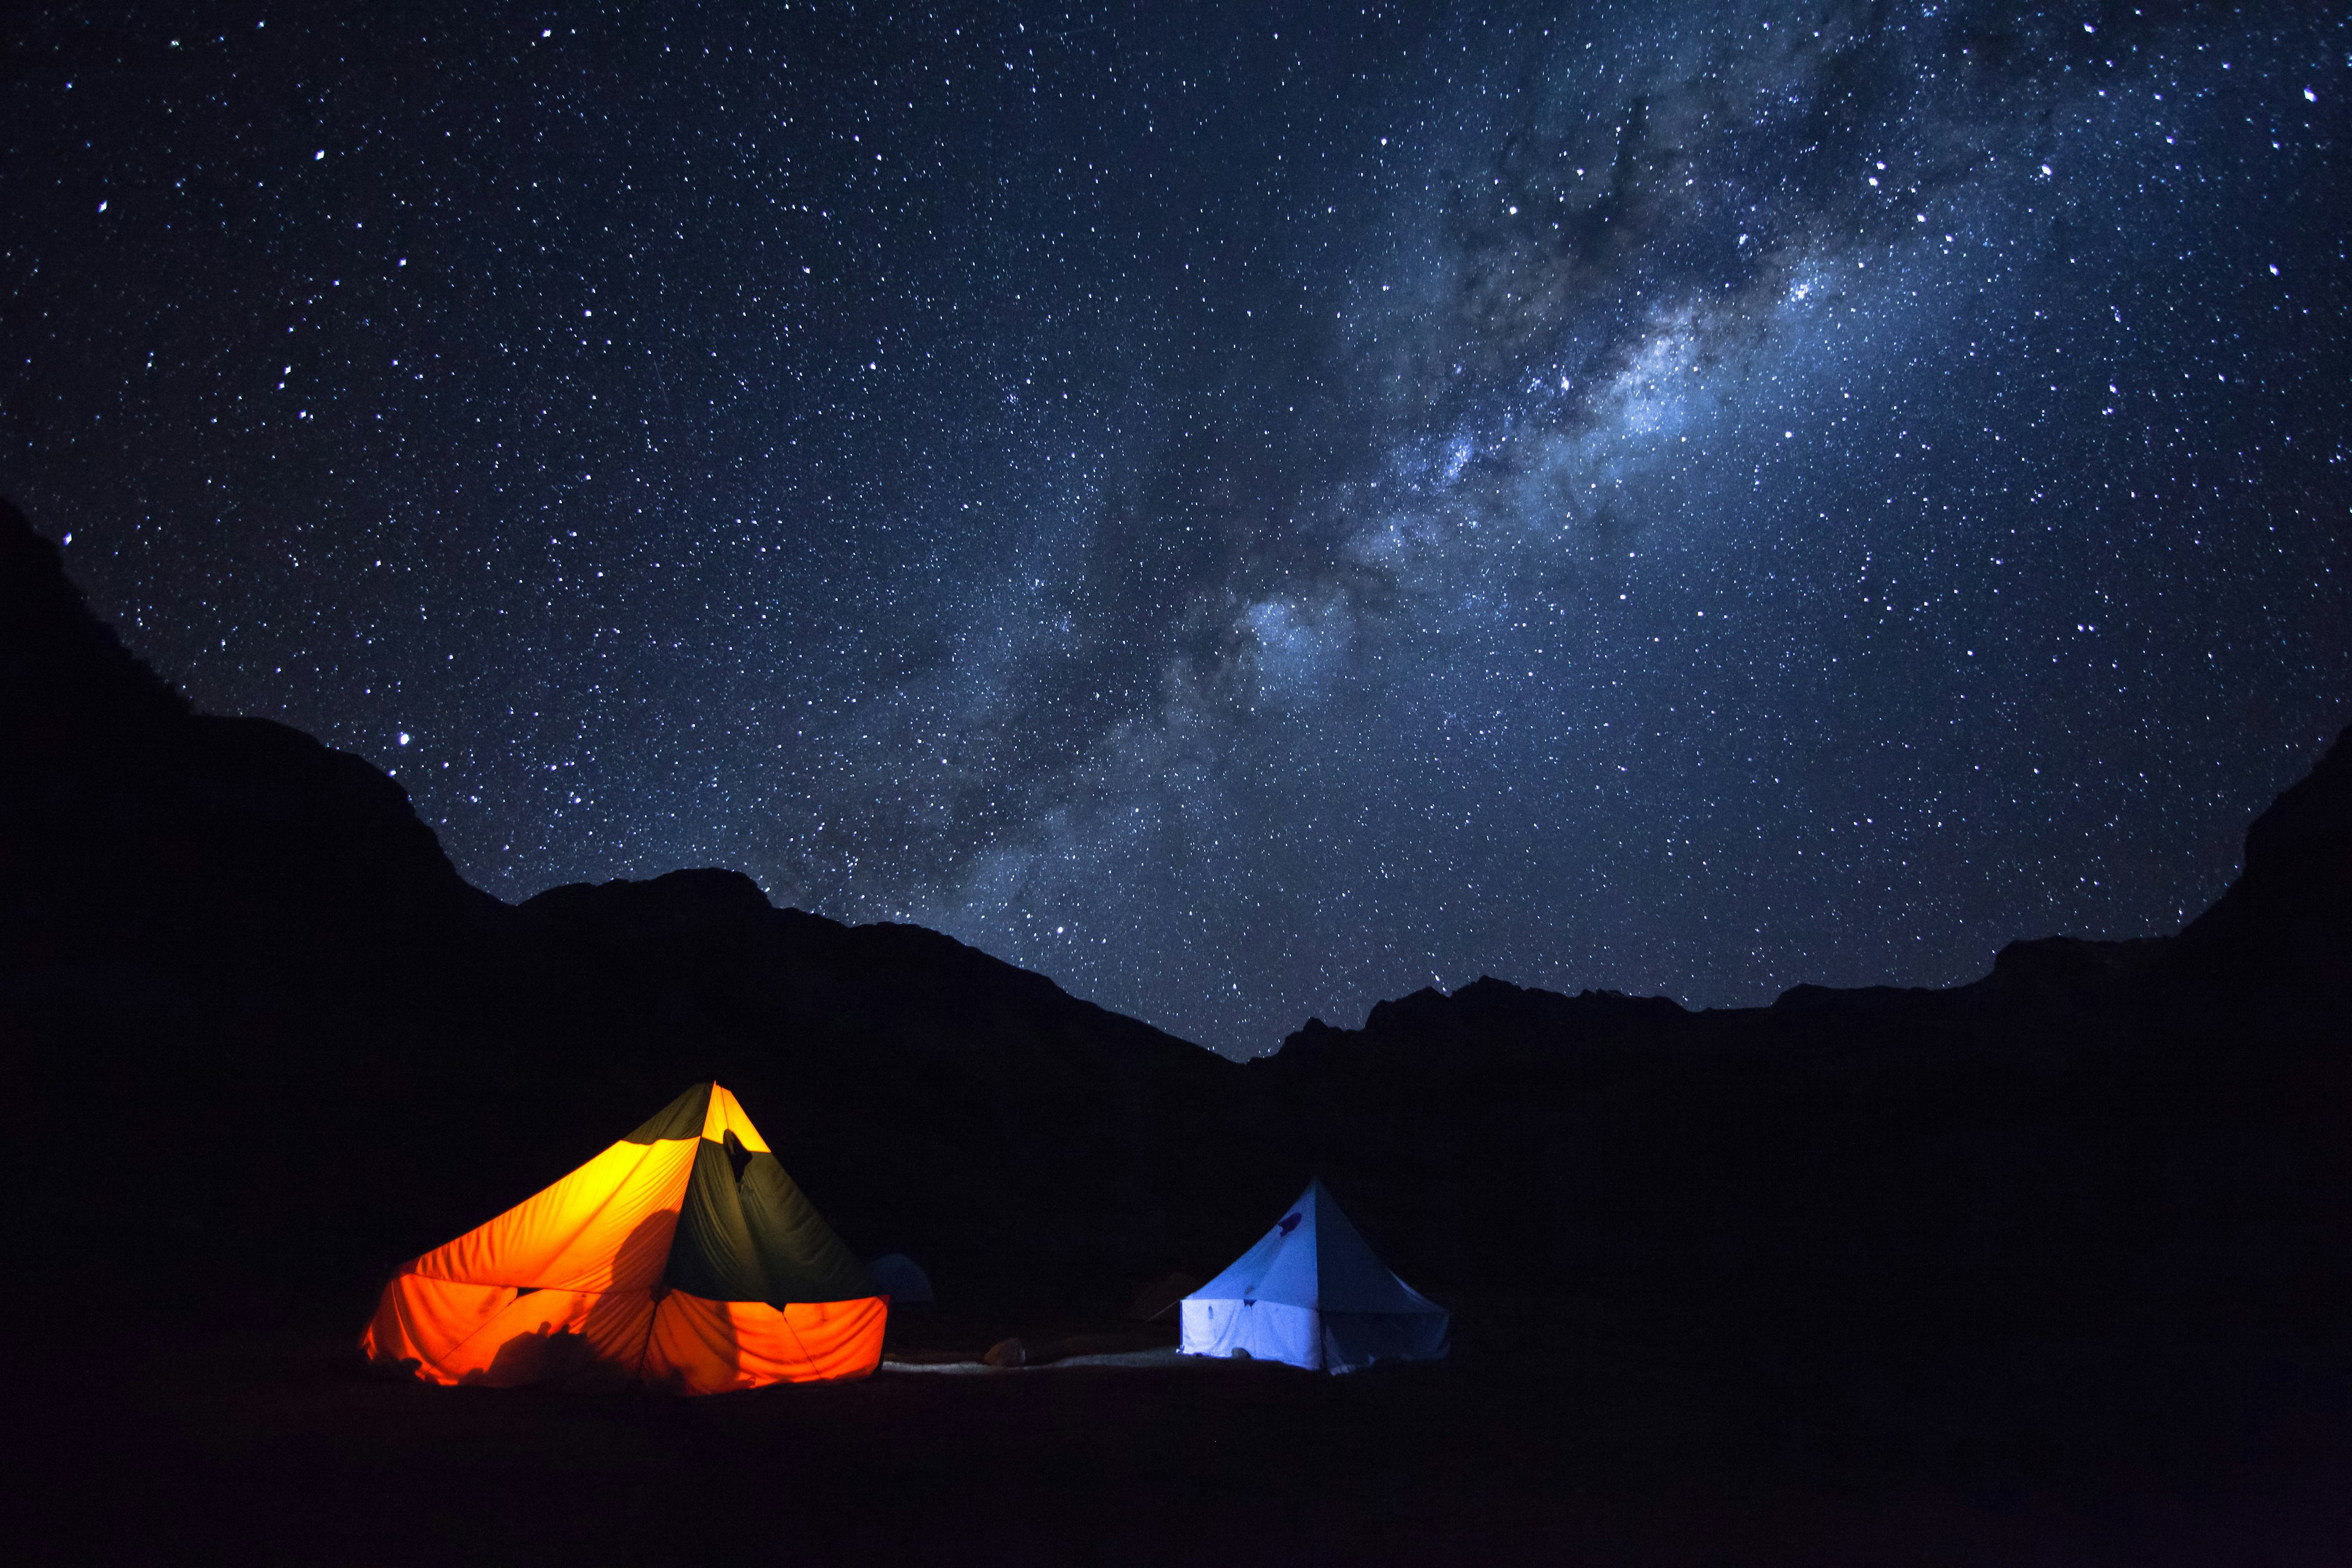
{"type": "Point", "coordinates": [281, 1447]}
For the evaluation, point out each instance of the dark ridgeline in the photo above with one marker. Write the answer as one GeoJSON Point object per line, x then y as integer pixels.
{"type": "Point", "coordinates": [274, 1045]}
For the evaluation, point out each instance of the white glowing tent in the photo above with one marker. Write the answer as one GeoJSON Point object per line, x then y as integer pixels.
{"type": "Point", "coordinates": [1311, 1294]}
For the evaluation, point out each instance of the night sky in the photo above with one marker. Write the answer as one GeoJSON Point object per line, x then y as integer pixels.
{"type": "Point", "coordinates": [1248, 511]}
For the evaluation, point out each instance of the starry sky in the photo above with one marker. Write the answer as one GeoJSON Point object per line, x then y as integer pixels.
{"type": "Point", "coordinates": [1245, 510]}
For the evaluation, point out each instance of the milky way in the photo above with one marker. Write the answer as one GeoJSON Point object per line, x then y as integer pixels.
{"type": "Point", "coordinates": [1245, 512]}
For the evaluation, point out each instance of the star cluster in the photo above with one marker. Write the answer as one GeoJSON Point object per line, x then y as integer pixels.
{"type": "Point", "coordinates": [1244, 511]}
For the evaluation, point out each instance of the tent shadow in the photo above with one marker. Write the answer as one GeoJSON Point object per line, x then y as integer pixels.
{"type": "Point", "coordinates": [546, 1354]}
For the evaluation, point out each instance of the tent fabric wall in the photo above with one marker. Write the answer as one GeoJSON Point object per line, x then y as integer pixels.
{"type": "Point", "coordinates": [594, 1281]}
{"type": "Point", "coordinates": [1312, 1292]}
{"type": "Point", "coordinates": [699, 1346]}
{"type": "Point", "coordinates": [1268, 1330]}
{"type": "Point", "coordinates": [604, 1226]}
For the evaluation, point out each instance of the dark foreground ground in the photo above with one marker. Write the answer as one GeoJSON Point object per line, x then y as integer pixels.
{"type": "Point", "coordinates": [278, 1446]}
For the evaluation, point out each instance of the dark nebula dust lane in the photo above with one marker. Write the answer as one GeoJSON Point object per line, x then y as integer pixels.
{"type": "Point", "coordinates": [1244, 511]}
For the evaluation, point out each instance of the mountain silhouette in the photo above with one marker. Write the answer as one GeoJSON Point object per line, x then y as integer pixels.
{"type": "Point", "coordinates": [276, 1045]}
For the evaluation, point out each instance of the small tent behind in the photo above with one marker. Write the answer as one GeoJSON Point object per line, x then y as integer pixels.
{"type": "Point", "coordinates": [682, 1257]}
{"type": "Point", "coordinates": [901, 1279]}
{"type": "Point", "coordinates": [1311, 1294]}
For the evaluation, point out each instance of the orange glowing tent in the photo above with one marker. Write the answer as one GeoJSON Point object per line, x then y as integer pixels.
{"type": "Point", "coordinates": [682, 1257]}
